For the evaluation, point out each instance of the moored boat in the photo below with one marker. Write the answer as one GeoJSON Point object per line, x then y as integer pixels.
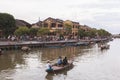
{"type": "Point", "coordinates": [57, 68]}
{"type": "Point", "coordinates": [25, 48]}
{"type": "Point", "coordinates": [54, 45]}
{"type": "Point", "coordinates": [104, 47]}
{"type": "Point", "coordinates": [84, 43]}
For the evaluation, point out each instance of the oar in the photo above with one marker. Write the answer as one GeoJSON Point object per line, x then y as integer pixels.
{"type": "Point", "coordinates": [54, 72]}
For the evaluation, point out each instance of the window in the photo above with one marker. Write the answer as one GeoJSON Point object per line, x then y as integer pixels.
{"type": "Point", "coordinates": [45, 25]}
{"type": "Point", "coordinates": [53, 24]}
{"type": "Point", "coordinates": [73, 26]}
{"type": "Point", "coordinates": [60, 25]}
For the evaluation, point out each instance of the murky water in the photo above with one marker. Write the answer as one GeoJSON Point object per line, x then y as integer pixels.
{"type": "Point", "coordinates": [90, 63]}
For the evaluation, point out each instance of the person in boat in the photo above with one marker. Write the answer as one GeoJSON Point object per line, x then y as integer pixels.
{"type": "Point", "coordinates": [48, 66]}
{"type": "Point", "coordinates": [59, 61]}
{"type": "Point", "coordinates": [65, 61]}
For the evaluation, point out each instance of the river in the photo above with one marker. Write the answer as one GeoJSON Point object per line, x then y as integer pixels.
{"type": "Point", "coordinates": [90, 63]}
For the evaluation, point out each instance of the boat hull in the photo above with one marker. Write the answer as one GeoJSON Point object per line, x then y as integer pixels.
{"type": "Point", "coordinates": [60, 68]}
{"type": "Point", "coordinates": [105, 47]}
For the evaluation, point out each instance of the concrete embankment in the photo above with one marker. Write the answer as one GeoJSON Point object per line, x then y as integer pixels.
{"type": "Point", "coordinates": [8, 45]}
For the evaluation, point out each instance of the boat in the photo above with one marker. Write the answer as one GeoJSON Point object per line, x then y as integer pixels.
{"type": "Point", "coordinates": [57, 68]}
{"type": "Point", "coordinates": [104, 47]}
{"type": "Point", "coordinates": [84, 43]}
{"type": "Point", "coordinates": [25, 48]}
{"type": "Point", "coordinates": [54, 45]}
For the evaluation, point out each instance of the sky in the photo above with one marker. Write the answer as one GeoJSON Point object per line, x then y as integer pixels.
{"type": "Point", "coordinates": [94, 13]}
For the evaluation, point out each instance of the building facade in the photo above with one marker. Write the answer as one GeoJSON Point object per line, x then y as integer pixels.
{"type": "Point", "coordinates": [53, 24]}
{"type": "Point", "coordinates": [59, 25]}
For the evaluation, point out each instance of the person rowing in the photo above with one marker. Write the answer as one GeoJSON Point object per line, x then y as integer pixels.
{"type": "Point", "coordinates": [65, 61]}
{"type": "Point", "coordinates": [49, 66]}
{"type": "Point", "coordinates": [59, 62]}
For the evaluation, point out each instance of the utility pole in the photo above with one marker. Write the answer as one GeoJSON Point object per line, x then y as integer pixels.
{"type": "Point", "coordinates": [39, 19]}
{"type": "Point", "coordinates": [39, 23]}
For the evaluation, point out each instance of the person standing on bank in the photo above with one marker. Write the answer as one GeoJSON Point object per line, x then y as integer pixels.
{"type": "Point", "coordinates": [65, 61]}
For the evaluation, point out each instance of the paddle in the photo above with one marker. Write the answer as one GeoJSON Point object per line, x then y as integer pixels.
{"type": "Point", "coordinates": [54, 72]}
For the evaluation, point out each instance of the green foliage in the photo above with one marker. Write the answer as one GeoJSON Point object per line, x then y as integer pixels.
{"type": "Point", "coordinates": [7, 24]}
{"type": "Point", "coordinates": [81, 33]}
{"type": "Point", "coordinates": [102, 33]}
{"type": "Point", "coordinates": [33, 31]}
{"type": "Point", "coordinates": [68, 29]}
{"type": "Point", "coordinates": [43, 31]}
{"type": "Point", "coordinates": [91, 33]}
{"type": "Point", "coordinates": [68, 25]}
{"type": "Point", "coordinates": [22, 31]}
{"type": "Point", "coordinates": [58, 31]}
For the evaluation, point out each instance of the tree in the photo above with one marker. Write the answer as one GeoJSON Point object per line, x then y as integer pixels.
{"type": "Point", "coordinates": [43, 31]}
{"type": "Point", "coordinates": [81, 33]}
{"type": "Point", "coordinates": [22, 31]}
{"type": "Point", "coordinates": [59, 33]}
{"type": "Point", "coordinates": [103, 33]}
{"type": "Point", "coordinates": [68, 29]}
{"type": "Point", "coordinates": [91, 33]}
{"type": "Point", "coordinates": [7, 24]}
{"type": "Point", "coordinates": [33, 31]}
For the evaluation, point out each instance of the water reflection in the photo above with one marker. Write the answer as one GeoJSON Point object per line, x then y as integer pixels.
{"type": "Point", "coordinates": [53, 53]}
{"type": "Point", "coordinates": [15, 65]}
{"type": "Point", "coordinates": [50, 76]}
{"type": "Point", "coordinates": [10, 59]}
{"type": "Point", "coordinates": [13, 59]}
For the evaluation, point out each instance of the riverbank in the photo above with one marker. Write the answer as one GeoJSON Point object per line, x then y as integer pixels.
{"type": "Point", "coordinates": [8, 45]}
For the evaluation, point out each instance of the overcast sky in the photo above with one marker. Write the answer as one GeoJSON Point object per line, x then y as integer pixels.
{"type": "Point", "coordinates": [94, 13]}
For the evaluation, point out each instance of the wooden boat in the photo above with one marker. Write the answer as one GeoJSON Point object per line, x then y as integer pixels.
{"type": "Point", "coordinates": [83, 43]}
{"type": "Point", "coordinates": [104, 47]}
{"type": "Point", "coordinates": [54, 45]}
{"type": "Point", "coordinates": [57, 68]}
{"type": "Point", "coordinates": [25, 48]}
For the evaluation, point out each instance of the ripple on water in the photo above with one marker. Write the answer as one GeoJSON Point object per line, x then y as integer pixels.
{"type": "Point", "coordinates": [90, 63]}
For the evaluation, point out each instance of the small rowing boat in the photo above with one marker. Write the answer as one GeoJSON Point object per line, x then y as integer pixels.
{"type": "Point", "coordinates": [25, 48]}
{"type": "Point", "coordinates": [57, 68]}
{"type": "Point", "coordinates": [105, 47]}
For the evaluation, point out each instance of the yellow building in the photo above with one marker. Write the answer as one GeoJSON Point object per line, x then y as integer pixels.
{"type": "Point", "coordinates": [59, 25]}
{"type": "Point", "coordinates": [53, 24]}
{"type": "Point", "coordinates": [74, 26]}
{"type": "Point", "coordinates": [85, 27]}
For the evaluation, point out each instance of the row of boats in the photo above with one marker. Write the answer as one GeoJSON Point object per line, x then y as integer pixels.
{"type": "Point", "coordinates": [57, 45]}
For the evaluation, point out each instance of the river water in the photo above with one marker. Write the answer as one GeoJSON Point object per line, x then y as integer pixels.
{"type": "Point", "coordinates": [90, 63]}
